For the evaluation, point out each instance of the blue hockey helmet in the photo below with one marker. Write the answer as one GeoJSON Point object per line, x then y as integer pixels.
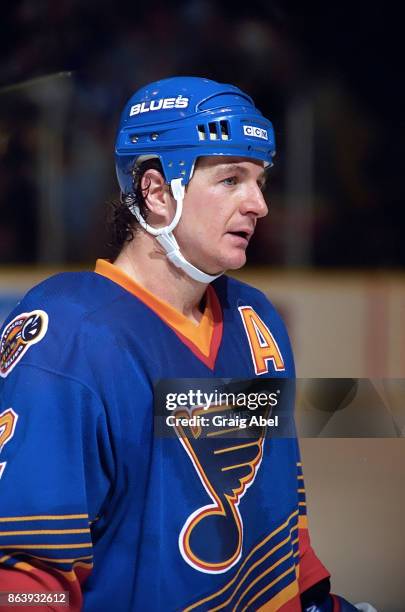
{"type": "Point", "coordinates": [182, 118]}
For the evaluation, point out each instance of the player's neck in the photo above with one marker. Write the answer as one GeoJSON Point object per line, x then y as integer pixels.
{"type": "Point", "coordinates": [146, 263]}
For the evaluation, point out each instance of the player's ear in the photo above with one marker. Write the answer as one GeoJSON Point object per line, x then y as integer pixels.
{"type": "Point", "coordinates": [156, 194]}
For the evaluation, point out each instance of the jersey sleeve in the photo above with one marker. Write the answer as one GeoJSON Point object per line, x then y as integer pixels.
{"type": "Point", "coordinates": [311, 570]}
{"type": "Point", "coordinates": [56, 466]}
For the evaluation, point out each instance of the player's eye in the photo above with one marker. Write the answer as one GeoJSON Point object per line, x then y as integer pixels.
{"type": "Point", "coordinates": [230, 180]}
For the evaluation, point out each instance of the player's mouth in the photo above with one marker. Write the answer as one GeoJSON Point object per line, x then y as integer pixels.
{"type": "Point", "coordinates": [241, 236]}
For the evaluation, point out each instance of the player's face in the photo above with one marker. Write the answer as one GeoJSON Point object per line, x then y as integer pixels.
{"type": "Point", "coordinates": [223, 202]}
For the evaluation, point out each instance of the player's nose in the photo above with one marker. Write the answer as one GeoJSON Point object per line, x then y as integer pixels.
{"type": "Point", "coordinates": [254, 201]}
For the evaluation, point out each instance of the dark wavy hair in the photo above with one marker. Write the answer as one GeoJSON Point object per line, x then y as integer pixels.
{"type": "Point", "coordinates": [121, 224]}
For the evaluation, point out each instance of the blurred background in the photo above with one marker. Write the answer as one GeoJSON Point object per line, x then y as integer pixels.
{"type": "Point", "coordinates": [330, 79]}
{"type": "Point", "coordinates": [330, 254]}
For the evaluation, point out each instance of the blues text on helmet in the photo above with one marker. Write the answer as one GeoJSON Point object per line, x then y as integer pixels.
{"type": "Point", "coordinates": [154, 105]}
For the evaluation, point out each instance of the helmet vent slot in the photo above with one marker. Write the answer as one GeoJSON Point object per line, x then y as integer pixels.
{"type": "Point", "coordinates": [225, 132]}
{"type": "Point", "coordinates": [213, 129]}
{"type": "Point", "coordinates": [201, 132]}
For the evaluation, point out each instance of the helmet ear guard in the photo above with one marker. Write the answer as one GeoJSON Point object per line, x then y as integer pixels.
{"type": "Point", "coordinates": [178, 120]}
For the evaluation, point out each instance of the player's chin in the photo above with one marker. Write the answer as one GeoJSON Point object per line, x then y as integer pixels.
{"type": "Point", "coordinates": [235, 261]}
{"type": "Point", "coordinates": [226, 261]}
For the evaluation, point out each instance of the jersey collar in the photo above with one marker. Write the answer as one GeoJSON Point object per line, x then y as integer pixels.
{"type": "Point", "coordinates": [203, 339]}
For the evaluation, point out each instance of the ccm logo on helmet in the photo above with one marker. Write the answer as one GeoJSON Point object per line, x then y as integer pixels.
{"type": "Point", "coordinates": [251, 130]}
{"type": "Point", "coordinates": [154, 105]}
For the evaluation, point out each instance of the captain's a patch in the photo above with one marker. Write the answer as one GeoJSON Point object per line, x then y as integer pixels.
{"type": "Point", "coordinates": [19, 335]}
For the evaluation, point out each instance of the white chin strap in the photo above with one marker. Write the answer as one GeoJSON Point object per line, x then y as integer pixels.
{"type": "Point", "coordinates": [166, 239]}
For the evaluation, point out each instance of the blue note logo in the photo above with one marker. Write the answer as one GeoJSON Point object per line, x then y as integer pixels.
{"type": "Point", "coordinates": [211, 539]}
{"type": "Point", "coordinates": [23, 331]}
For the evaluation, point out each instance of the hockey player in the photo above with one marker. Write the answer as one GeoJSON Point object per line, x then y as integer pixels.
{"type": "Point", "coordinates": [95, 505]}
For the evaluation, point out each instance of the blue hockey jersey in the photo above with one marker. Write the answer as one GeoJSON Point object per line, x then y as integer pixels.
{"type": "Point", "coordinates": [93, 502]}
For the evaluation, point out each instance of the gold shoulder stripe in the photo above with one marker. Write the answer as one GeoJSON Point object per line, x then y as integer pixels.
{"type": "Point", "coordinates": [51, 559]}
{"type": "Point", "coordinates": [43, 517]}
{"type": "Point", "coordinates": [44, 532]}
{"type": "Point", "coordinates": [87, 557]}
{"type": "Point", "coordinates": [71, 576]}
{"type": "Point", "coordinates": [50, 546]}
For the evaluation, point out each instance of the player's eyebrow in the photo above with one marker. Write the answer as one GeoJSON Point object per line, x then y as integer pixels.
{"type": "Point", "coordinates": [231, 167]}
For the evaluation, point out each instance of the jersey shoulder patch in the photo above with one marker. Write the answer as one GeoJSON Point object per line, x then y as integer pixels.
{"type": "Point", "coordinates": [22, 332]}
